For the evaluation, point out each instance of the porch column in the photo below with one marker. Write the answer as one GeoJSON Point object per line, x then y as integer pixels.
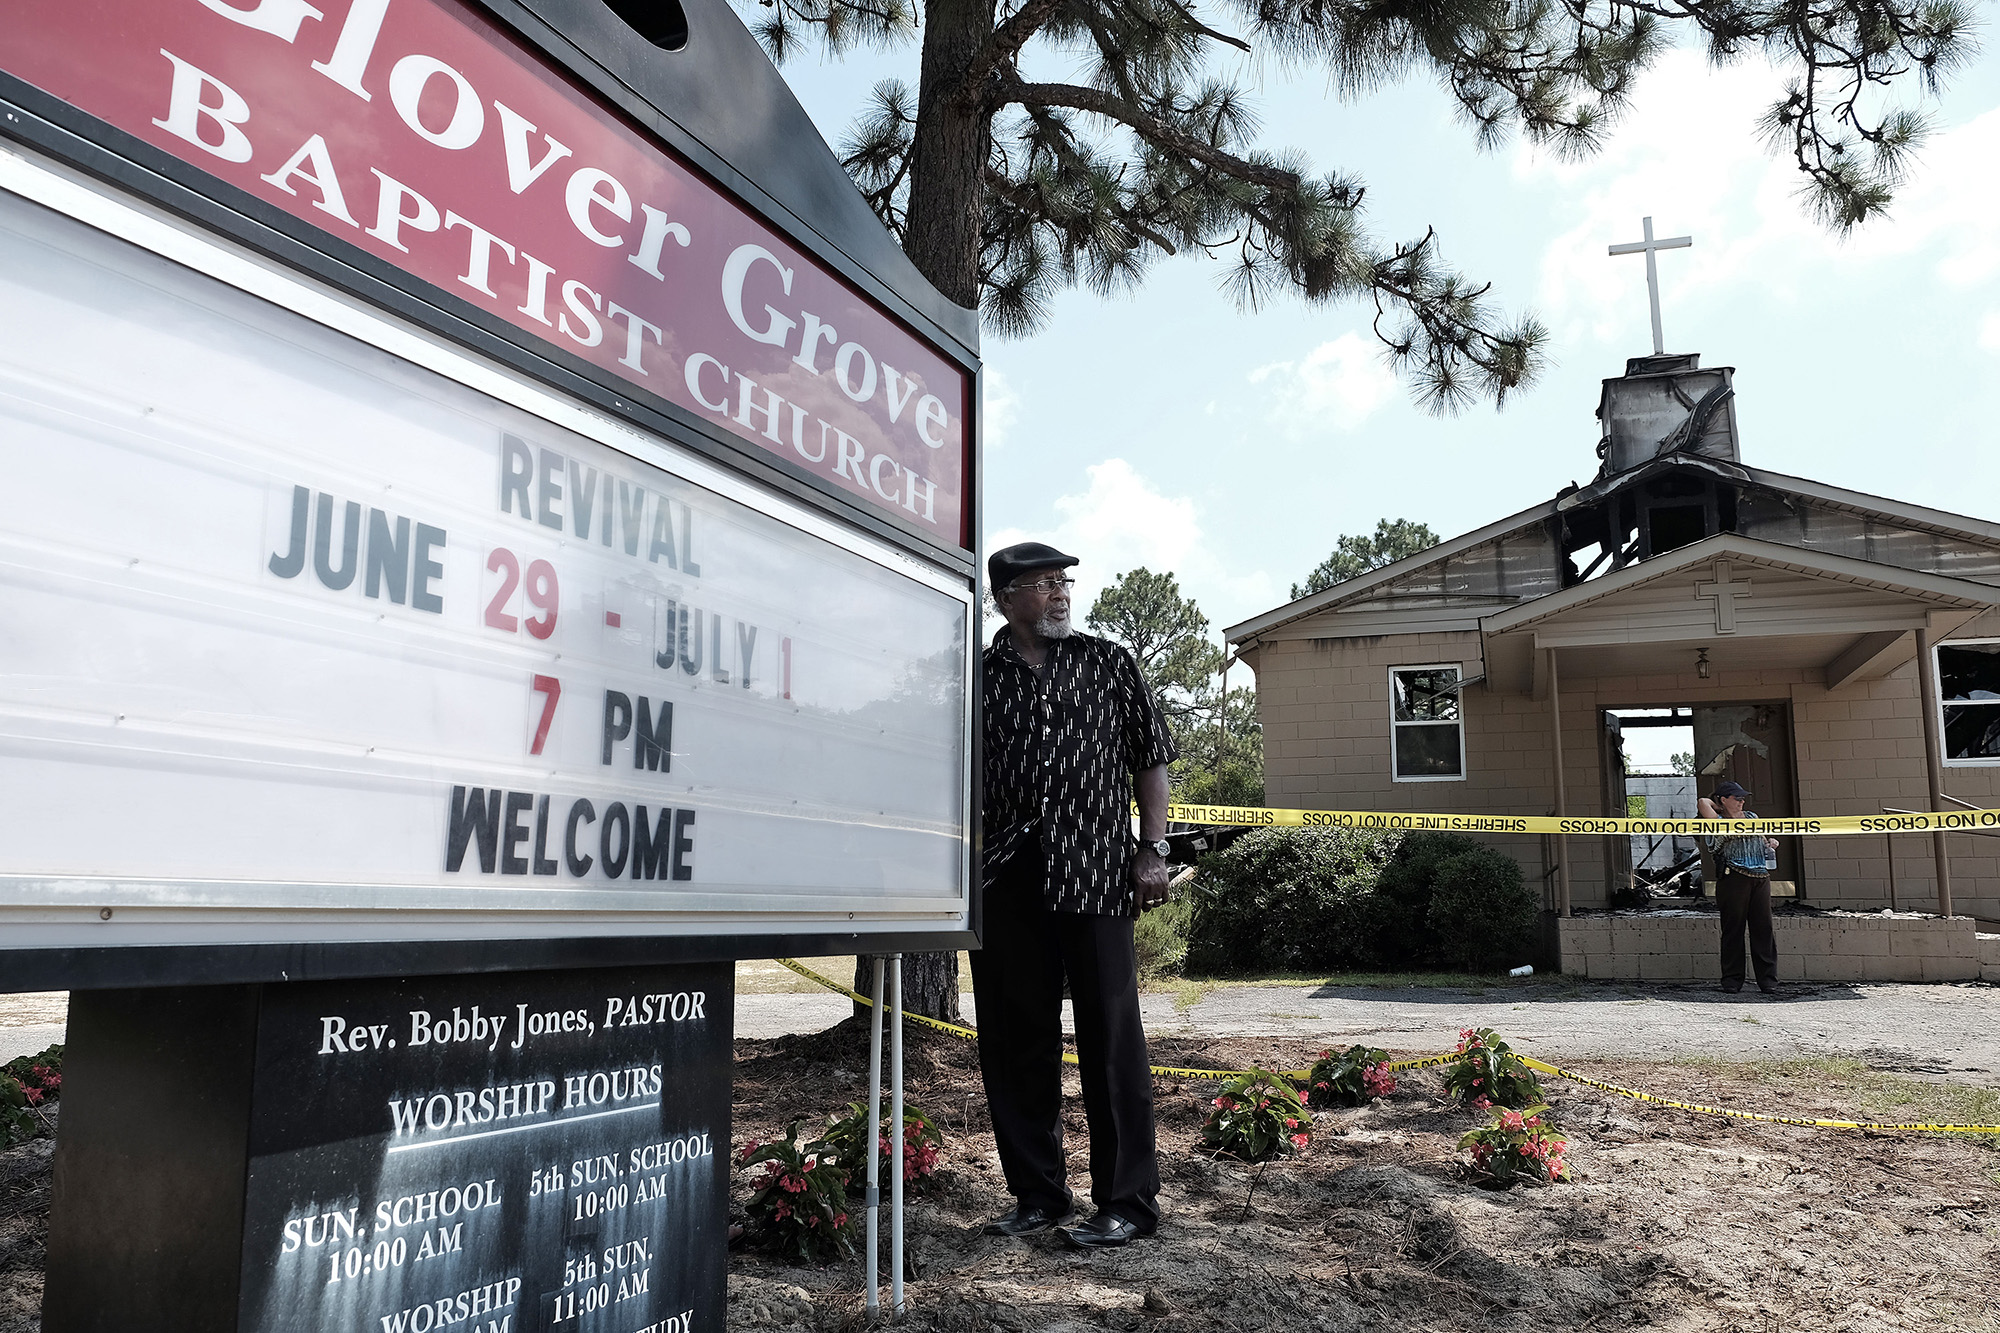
{"type": "Point", "coordinates": [1562, 782]}
{"type": "Point", "coordinates": [1927, 687]}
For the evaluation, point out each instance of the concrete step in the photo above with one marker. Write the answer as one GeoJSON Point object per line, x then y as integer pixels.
{"type": "Point", "coordinates": [1989, 956]}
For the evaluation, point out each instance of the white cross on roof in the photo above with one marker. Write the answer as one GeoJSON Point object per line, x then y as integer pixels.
{"type": "Point", "coordinates": [1649, 247]}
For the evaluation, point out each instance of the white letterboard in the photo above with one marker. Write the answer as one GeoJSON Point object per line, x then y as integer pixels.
{"type": "Point", "coordinates": [319, 635]}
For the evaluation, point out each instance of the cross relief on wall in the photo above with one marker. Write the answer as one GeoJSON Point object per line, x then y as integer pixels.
{"type": "Point", "coordinates": [1724, 590]}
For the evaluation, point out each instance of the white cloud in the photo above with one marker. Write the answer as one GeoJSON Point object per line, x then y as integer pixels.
{"type": "Point", "coordinates": [1687, 154]}
{"type": "Point", "coordinates": [1121, 522]}
{"type": "Point", "coordinates": [1339, 384]}
{"type": "Point", "coordinates": [1000, 407]}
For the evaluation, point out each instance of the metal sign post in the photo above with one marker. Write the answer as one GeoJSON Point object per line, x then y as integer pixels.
{"type": "Point", "coordinates": [874, 1195]}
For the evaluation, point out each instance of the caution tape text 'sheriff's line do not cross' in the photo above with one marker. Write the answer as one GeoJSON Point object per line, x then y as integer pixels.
{"type": "Point", "coordinates": [1938, 821]}
{"type": "Point", "coordinates": [1422, 1062]}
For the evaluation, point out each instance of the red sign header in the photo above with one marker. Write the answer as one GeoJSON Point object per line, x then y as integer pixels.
{"type": "Point", "coordinates": [422, 132]}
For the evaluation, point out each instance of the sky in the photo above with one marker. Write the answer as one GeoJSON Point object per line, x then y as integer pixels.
{"type": "Point", "coordinates": [1170, 429]}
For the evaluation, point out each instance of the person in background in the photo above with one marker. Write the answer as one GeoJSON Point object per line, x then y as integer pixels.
{"type": "Point", "coordinates": [1072, 736]}
{"type": "Point", "coordinates": [1742, 891]}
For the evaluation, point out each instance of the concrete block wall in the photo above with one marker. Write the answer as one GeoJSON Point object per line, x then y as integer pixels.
{"type": "Point", "coordinates": [1325, 707]}
{"type": "Point", "coordinates": [1646, 946]}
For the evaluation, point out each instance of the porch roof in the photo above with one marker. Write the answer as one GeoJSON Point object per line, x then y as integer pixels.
{"type": "Point", "coordinates": [1749, 603]}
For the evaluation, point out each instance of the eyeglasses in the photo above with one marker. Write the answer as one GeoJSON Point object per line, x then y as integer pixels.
{"type": "Point", "coordinates": [1045, 585]}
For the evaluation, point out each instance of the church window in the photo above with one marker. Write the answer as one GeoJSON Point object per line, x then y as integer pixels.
{"type": "Point", "coordinates": [1427, 736]}
{"type": "Point", "coordinates": [1968, 675]}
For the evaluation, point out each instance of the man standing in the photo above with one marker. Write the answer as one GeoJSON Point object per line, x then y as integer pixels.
{"type": "Point", "coordinates": [1742, 891]}
{"type": "Point", "coordinates": [1069, 725]}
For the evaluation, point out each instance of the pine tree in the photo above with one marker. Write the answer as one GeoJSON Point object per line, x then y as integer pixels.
{"type": "Point", "coordinates": [1355, 554]}
{"type": "Point", "coordinates": [1005, 188]}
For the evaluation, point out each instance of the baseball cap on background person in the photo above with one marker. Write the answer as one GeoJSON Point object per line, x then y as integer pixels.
{"type": "Point", "coordinates": [1723, 789]}
{"type": "Point", "coordinates": [1010, 562]}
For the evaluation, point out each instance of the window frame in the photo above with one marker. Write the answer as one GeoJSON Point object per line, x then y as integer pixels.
{"type": "Point", "coordinates": [1938, 703]}
{"type": "Point", "coordinates": [1458, 671]}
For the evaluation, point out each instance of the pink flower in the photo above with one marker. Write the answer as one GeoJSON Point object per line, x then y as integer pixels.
{"type": "Point", "coordinates": [749, 1148]}
{"type": "Point", "coordinates": [34, 1095]}
{"type": "Point", "coordinates": [1300, 1141]}
{"type": "Point", "coordinates": [840, 1219]}
{"type": "Point", "coordinates": [1482, 1103]}
{"type": "Point", "coordinates": [1510, 1120]}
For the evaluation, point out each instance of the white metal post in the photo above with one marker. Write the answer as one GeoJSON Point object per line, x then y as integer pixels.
{"type": "Point", "coordinates": [896, 1133]}
{"type": "Point", "coordinates": [874, 1196]}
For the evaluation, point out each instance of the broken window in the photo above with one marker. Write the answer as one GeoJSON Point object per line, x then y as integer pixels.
{"type": "Point", "coordinates": [1427, 737]}
{"type": "Point", "coordinates": [1969, 695]}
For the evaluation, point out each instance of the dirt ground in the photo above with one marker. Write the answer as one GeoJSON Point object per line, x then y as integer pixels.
{"type": "Point", "coordinates": [1676, 1221]}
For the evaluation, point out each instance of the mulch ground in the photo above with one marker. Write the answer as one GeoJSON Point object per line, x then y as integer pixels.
{"type": "Point", "coordinates": [1676, 1221]}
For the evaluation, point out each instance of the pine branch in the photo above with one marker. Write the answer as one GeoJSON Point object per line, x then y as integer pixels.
{"type": "Point", "coordinates": [1149, 127]}
{"type": "Point", "coordinates": [1000, 49]}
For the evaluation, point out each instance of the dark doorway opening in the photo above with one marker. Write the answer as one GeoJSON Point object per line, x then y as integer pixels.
{"type": "Point", "coordinates": [1658, 761]}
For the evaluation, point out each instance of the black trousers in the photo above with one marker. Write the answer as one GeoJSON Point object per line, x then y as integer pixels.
{"type": "Point", "coordinates": [1017, 982]}
{"type": "Point", "coordinates": [1745, 900]}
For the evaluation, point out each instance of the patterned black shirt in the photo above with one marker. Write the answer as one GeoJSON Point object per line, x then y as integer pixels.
{"type": "Point", "coordinates": [1061, 747]}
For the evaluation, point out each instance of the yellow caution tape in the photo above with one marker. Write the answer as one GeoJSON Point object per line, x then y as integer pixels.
{"type": "Point", "coordinates": [1171, 1071]}
{"type": "Point", "coordinates": [1945, 821]}
{"type": "Point", "coordinates": [1748, 1115]}
{"type": "Point", "coordinates": [1425, 1061]}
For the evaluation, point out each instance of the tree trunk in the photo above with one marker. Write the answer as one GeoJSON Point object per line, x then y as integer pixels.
{"type": "Point", "coordinates": [947, 208]}
{"type": "Point", "coordinates": [948, 156]}
{"type": "Point", "coordinates": [930, 984]}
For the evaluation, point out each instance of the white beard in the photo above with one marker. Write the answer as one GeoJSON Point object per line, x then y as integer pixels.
{"type": "Point", "coordinates": [1049, 627]}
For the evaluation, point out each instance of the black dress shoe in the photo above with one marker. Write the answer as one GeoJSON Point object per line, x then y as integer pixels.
{"type": "Point", "coordinates": [1106, 1231]}
{"type": "Point", "coordinates": [1768, 987]}
{"type": "Point", "coordinates": [1027, 1220]}
{"type": "Point", "coordinates": [1727, 989]}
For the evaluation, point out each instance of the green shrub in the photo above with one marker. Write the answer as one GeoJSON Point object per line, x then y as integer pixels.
{"type": "Point", "coordinates": [1404, 934]}
{"type": "Point", "coordinates": [923, 1146]}
{"type": "Point", "coordinates": [1237, 782]}
{"type": "Point", "coordinates": [1287, 900]}
{"type": "Point", "coordinates": [28, 1084]}
{"type": "Point", "coordinates": [1160, 938]}
{"type": "Point", "coordinates": [1257, 1116]}
{"type": "Point", "coordinates": [798, 1206]}
{"type": "Point", "coordinates": [1488, 1073]}
{"type": "Point", "coordinates": [1482, 915]}
{"type": "Point", "coordinates": [1352, 1077]}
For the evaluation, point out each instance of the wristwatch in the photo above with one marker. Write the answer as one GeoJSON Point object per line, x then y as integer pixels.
{"type": "Point", "coordinates": [1162, 849]}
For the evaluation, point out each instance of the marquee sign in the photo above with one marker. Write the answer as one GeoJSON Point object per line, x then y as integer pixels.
{"type": "Point", "coordinates": [326, 631]}
{"type": "Point", "coordinates": [304, 637]}
{"type": "Point", "coordinates": [423, 133]}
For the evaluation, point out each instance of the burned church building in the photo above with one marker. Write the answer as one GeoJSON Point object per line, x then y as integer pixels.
{"type": "Point", "coordinates": [1834, 652]}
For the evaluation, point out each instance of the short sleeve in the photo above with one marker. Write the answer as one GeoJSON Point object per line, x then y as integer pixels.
{"type": "Point", "coordinates": [1147, 740]}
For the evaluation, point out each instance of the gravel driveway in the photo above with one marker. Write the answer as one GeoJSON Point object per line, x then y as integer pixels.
{"type": "Point", "coordinates": [1933, 1029]}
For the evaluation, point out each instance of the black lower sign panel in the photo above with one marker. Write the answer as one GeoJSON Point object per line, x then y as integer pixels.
{"type": "Point", "coordinates": [505, 1154]}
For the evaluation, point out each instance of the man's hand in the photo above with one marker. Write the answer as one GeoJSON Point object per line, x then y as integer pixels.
{"type": "Point", "coordinates": [1149, 878]}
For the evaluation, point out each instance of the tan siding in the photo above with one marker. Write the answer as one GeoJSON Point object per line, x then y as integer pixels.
{"type": "Point", "coordinates": [1326, 713]}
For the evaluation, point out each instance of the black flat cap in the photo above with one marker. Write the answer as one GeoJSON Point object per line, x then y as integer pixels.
{"type": "Point", "coordinates": [1010, 562]}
